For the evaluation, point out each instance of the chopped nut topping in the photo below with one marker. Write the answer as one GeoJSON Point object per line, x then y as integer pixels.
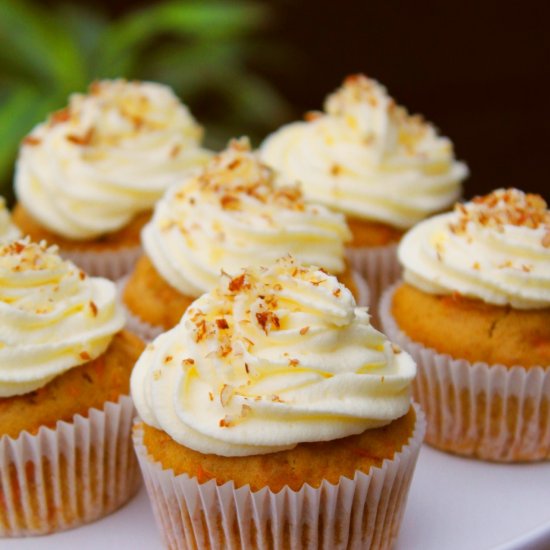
{"type": "Point", "coordinates": [188, 361]}
{"type": "Point", "coordinates": [336, 169]}
{"type": "Point", "coordinates": [396, 349]}
{"type": "Point", "coordinates": [168, 358]}
{"type": "Point", "coordinates": [267, 320]}
{"type": "Point", "coordinates": [93, 307]}
{"type": "Point", "coordinates": [226, 394]}
{"type": "Point", "coordinates": [294, 362]}
{"type": "Point", "coordinates": [230, 202]}
{"type": "Point", "coordinates": [222, 323]}
{"type": "Point", "coordinates": [304, 330]}
{"type": "Point", "coordinates": [505, 207]}
{"type": "Point", "coordinates": [85, 355]}
{"type": "Point", "coordinates": [31, 140]}
{"type": "Point", "coordinates": [86, 139]}
{"type": "Point", "coordinates": [225, 422]}
{"type": "Point", "coordinates": [60, 116]}
{"type": "Point", "coordinates": [238, 283]}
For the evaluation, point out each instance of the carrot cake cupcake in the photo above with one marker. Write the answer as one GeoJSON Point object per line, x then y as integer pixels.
{"type": "Point", "coordinates": [229, 215]}
{"type": "Point", "coordinates": [369, 158]}
{"type": "Point", "coordinates": [275, 413]}
{"type": "Point", "coordinates": [8, 231]}
{"type": "Point", "coordinates": [88, 177]}
{"type": "Point", "coordinates": [65, 412]}
{"type": "Point", "coordinates": [474, 310]}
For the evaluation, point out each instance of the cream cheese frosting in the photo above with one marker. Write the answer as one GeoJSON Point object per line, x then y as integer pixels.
{"type": "Point", "coordinates": [367, 157]}
{"type": "Point", "coordinates": [52, 316]}
{"type": "Point", "coordinates": [106, 157]}
{"type": "Point", "coordinates": [270, 358]}
{"type": "Point", "coordinates": [8, 231]}
{"type": "Point", "coordinates": [495, 248]}
{"type": "Point", "coordinates": [233, 214]}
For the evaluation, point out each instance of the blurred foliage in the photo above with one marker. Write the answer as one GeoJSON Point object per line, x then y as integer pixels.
{"type": "Point", "coordinates": [203, 49]}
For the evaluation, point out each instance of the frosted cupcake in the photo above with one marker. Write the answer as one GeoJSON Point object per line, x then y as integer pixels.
{"type": "Point", "coordinates": [8, 231]}
{"type": "Point", "coordinates": [275, 405]}
{"type": "Point", "coordinates": [88, 177]}
{"type": "Point", "coordinates": [65, 413]}
{"type": "Point", "coordinates": [230, 215]}
{"type": "Point", "coordinates": [368, 158]}
{"type": "Point", "coordinates": [474, 310]}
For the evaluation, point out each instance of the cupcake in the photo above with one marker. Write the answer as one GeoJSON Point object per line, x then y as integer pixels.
{"type": "Point", "coordinates": [367, 157]}
{"type": "Point", "coordinates": [8, 231]}
{"type": "Point", "coordinates": [474, 311]}
{"type": "Point", "coordinates": [230, 215]}
{"type": "Point", "coordinates": [65, 413]}
{"type": "Point", "coordinates": [88, 177]}
{"type": "Point", "coordinates": [274, 414]}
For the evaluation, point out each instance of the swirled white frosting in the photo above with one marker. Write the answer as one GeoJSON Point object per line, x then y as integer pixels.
{"type": "Point", "coordinates": [108, 156]}
{"type": "Point", "coordinates": [8, 231]}
{"type": "Point", "coordinates": [367, 157]}
{"type": "Point", "coordinates": [495, 248]}
{"type": "Point", "coordinates": [271, 358]}
{"type": "Point", "coordinates": [52, 316]}
{"type": "Point", "coordinates": [232, 215]}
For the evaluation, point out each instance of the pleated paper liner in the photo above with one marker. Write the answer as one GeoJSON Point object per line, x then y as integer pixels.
{"type": "Point", "coordinates": [491, 412]}
{"type": "Point", "coordinates": [71, 475]}
{"type": "Point", "coordinates": [149, 332]}
{"type": "Point", "coordinates": [379, 266]}
{"type": "Point", "coordinates": [112, 264]}
{"type": "Point", "coordinates": [363, 512]}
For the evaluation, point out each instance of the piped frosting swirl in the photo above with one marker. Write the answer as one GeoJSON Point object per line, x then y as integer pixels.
{"type": "Point", "coordinates": [495, 248]}
{"type": "Point", "coordinates": [52, 316]}
{"type": "Point", "coordinates": [233, 214]}
{"type": "Point", "coordinates": [270, 358]}
{"type": "Point", "coordinates": [106, 157]}
{"type": "Point", "coordinates": [368, 157]}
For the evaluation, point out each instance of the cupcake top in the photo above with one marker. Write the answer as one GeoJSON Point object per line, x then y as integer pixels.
{"type": "Point", "coordinates": [52, 316]}
{"type": "Point", "coordinates": [495, 248]}
{"type": "Point", "coordinates": [270, 358]}
{"type": "Point", "coordinates": [8, 231]}
{"type": "Point", "coordinates": [106, 157]}
{"type": "Point", "coordinates": [233, 214]}
{"type": "Point", "coordinates": [367, 157]}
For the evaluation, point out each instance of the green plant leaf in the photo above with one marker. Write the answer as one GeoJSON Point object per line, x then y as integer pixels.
{"type": "Point", "coordinates": [39, 41]}
{"type": "Point", "coordinates": [210, 19]}
{"type": "Point", "coordinates": [23, 108]}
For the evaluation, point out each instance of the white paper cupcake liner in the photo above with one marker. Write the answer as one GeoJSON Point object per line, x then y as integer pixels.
{"type": "Point", "coordinates": [76, 473]}
{"type": "Point", "coordinates": [363, 512]}
{"type": "Point", "coordinates": [491, 412]}
{"type": "Point", "coordinates": [379, 266]}
{"type": "Point", "coordinates": [363, 291]}
{"type": "Point", "coordinates": [111, 264]}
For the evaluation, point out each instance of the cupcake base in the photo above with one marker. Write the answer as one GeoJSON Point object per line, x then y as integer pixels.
{"type": "Point", "coordinates": [362, 512]}
{"type": "Point", "coordinates": [491, 412]}
{"type": "Point", "coordinates": [64, 477]}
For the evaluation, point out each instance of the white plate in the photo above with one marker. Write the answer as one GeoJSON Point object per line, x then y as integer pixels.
{"type": "Point", "coordinates": [454, 504]}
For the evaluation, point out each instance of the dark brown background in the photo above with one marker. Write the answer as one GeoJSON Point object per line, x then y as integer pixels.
{"type": "Point", "coordinates": [479, 70]}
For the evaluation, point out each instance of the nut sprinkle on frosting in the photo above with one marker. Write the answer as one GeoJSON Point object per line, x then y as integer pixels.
{"type": "Point", "coordinates": [52, 316]}
{"type": "Point", "coordinates": [495, 248]}
{"type": "Point", "coordinates": [233, 213]}
{"type": "Point", "coordinates": [368, 157]}
{"type": "Point", "coordinates": [505, 207]}
{"type": "Point", "coordinates": [106, 157]}
{"type": "Point", "coordinates": [270, 358]}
